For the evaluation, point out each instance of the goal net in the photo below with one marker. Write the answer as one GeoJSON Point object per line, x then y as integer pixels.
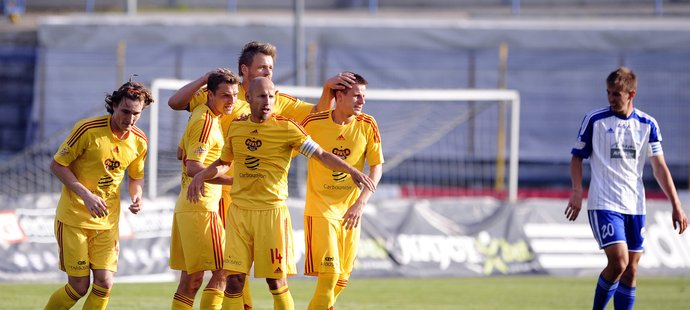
{"type": "Point", "coordinates": [436, 142]}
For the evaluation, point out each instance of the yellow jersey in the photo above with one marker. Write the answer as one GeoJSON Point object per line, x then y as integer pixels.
{"type": "Point", "coordinates": [330, 193]}
{"type": "Point", "coordinates": [98, 159]}
{"type": "Point", "coordinates": [202, 141]}
{"type": "Point", "coordinates": [285, 105]}
{"type": "Point", "coordinates": [263, 153]}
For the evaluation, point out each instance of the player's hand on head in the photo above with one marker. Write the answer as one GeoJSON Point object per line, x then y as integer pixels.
{"type": "Point", "coordinates": [341, 80]}
{"type": "Point", "coordinates": [136, 205]}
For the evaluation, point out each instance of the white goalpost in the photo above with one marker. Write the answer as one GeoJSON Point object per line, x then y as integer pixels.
{"type": "Point", "coordinates": [438, 138]}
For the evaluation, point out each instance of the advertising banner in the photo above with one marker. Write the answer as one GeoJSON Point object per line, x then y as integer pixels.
{"type": "Point", "coordinates": [442, 237]}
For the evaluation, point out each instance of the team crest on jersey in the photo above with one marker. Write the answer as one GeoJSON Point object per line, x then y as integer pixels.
{"type": "Point", "coordinates": [251, 162]}
{"type": "Point", "coordinates": [252, 144]}
{"type": "Point", "coordinates": [342, 153]}
{"type": "Point", "coordinates": [199, 151]}
{"type": "Point", "coordinates": [111, 164]}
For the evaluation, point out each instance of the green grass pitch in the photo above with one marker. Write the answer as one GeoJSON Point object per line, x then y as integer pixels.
{"type": "Point", "coordinates": [527, 292]}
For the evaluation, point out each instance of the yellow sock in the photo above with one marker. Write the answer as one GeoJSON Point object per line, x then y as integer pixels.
{"type": "Point", "coordinates": [98, 299]}
{"type": "Point", "coordinates": [182, 302]}
{"type": "Point", "coordinates": [339, 287]}
{"type": "Point", "coordinates": [247, 295]}
{"type": "Point", "coordinates": [211, 299]}
{"type": "Point", "coordinates": [282, 299]}
{"type": "Point", "coordinates": [323, 294]}
{"type": "Point", "coordinates": [63, 298]}
{"type": "Point", "coordinates": [233, 301]}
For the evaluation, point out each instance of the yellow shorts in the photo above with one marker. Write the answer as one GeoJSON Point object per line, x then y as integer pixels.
{"type": "Point", "coordinates": [81, 249]}
{"type": "Point", "coordinates": [262, 237]}
{"type": "Point", "coordinates": [197, 241]}
{"type": "Point", "coordinates": [328, 246]}
{"type": "Point", "coordinates": [224, 204]}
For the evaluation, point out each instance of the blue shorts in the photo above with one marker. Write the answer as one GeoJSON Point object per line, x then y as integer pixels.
{"type": "Point", "coordinates": [611, 227]}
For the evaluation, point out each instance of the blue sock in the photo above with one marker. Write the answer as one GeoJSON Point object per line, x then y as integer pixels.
{"type": "Point", "coordinates": [603, 293]}
{"type": "Point", "coordinates": [624, 297]}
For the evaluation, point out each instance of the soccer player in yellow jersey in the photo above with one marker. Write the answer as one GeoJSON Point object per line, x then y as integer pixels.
{"type": "Point", "coordinates": [197, 239]}
{"type": "Point", "coordinates": [259, 229]}
{"type": "Point", "coordinates": [256, 59]}
{"type": "Point", "coordinates": [334, 206]}
{"type": "Point", "coordinates": [91, 164]}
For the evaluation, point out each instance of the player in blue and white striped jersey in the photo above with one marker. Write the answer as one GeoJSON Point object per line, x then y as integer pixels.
{"type": "Point", "coordinates": [617, 139]}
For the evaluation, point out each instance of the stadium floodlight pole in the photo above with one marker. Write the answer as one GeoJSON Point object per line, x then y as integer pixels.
{"type": "Point", "coordinates": [131, 7]}
{"type": "Point", "coordinates": [232, 6]}
{"type": "Point", "coordinates": [516, 7]}
{"type": "Point", "coordinates": [373, 7]}
{"type": "Point", "coordinates": [299, 43]}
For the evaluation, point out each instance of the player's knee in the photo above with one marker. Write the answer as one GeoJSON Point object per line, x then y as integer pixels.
{"type": "Point", "coordinates": [103, 281]}
{"type": "Point", "coordinates": [235, 283]}
{"type": "Point", "coordinates": [81, 288]}
{"type": "Point", "coordinates": [191, 283]}
{"type": "Point", "coordinates": [618, 266]}
{"type": "Point", "coordinates": [80, 284]}
{"type": "Point", "coordinates": [275, 284]}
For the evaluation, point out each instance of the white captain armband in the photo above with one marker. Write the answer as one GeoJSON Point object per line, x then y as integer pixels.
{"type": "Point", "coordinates": [655, 149]}
{"type": "Point", "coordinates": [308, 147]}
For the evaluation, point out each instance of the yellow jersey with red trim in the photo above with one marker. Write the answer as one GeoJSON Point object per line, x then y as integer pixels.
{"type": "Point", "coordinates": [330, 193]}
{"type": "Point", "coordinates": [263, 153]}
{"type": "Point", "coordinates": [99, 160]}
{"type": "Point", "coordinates": [202, 141]}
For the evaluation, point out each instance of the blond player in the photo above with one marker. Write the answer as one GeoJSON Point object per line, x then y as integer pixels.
{"type": "Point", "coordinates": [197, 238]}
{"type": "Point", "coordinates": [334, 206]}
{"type": "Point", "coordinates": [256, 60]}
{"type": "Point", "coordinates": [91, 165]}
{"type": "Point", "coordinates": [259, 229]}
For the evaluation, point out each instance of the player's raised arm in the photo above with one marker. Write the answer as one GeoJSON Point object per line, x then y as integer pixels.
{"type": "Point", "coordinates": [181, 98]}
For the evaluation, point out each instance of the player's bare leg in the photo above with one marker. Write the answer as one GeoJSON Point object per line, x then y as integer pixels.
{"type": "Point", "coordinates": [282, 299]}
{"type": "Point", "coordinates": [233, 291]}
{"type": "Point", "coordinates": [624, 298]}
{"type": "Point", "coordinates": [186, 290]}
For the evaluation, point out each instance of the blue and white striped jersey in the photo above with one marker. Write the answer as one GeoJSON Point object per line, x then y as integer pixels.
{"type": "Point", "coordinates": [617, 148]}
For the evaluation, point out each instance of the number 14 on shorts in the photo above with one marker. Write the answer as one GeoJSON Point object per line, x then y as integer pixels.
{"type": "Point", "coordinates": [275, 256]}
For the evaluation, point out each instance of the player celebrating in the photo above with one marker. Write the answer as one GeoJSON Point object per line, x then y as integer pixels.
{"type": "Point", "coordinates": [256, 60]}
{"type": "Point", "coordinates": [259, 229]}
{"type": "Point", "coordinates": [334, 206]}
{"type": "Point", "coordinates": [618, 138]}
{"type": "Point", "coordinates": [197, 239]}
{"type": "Point", "coordinates": [91, 164]}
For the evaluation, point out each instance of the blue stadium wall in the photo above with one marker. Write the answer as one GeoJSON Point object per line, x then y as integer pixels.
{"type": "Point", "coordinates": [558, 66]}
